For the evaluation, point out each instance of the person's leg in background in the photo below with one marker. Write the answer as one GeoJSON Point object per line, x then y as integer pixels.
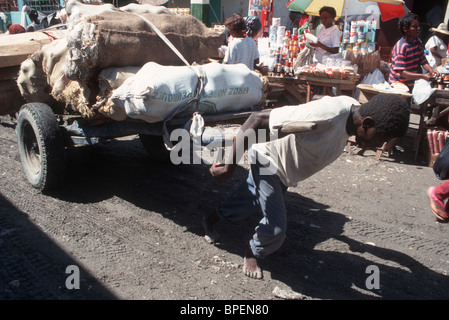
{"type": "Point", "coordinates": [437, 196]}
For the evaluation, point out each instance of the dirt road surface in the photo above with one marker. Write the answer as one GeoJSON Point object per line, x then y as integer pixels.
{"type": "Point", "coordinates": [359, 229]}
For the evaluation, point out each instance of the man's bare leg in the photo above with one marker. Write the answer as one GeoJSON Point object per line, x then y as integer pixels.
{"type": "Point", "coordinates": [250, 267]}
{"type": "Point", "coordinates": [208, 223]}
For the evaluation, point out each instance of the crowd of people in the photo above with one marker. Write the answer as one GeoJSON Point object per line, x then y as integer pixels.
{"type": "Point", "coordinates": [38, 21]}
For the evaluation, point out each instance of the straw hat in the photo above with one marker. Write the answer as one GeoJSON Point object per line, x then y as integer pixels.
{"type": "Point", "coordinates": [442, 28]}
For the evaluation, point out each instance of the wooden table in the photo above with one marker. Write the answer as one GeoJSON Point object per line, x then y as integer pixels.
{"type": "Point", "coordinates": [293, 86]}
{"type": "Point", "coordinates": [367, 92]}
{"type": "Point", "coordinates": [328, 84]}
{"type": "Point", "coordinates": [301, 88]}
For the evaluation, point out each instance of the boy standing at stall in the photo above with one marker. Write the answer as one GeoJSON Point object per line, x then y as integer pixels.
{"type": "Point", "coordinates": [241, 49]}
{"type": "Point", "coordinates": [290, 157]}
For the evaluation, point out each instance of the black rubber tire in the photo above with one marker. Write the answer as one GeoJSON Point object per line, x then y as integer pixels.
{"type": "Point", "coordinates": [155, 146]}
{"type": "Point", "coordinates": [41, 146]}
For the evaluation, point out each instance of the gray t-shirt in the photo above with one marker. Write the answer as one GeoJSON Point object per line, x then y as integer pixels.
{"type": "Point", "coordinates": [298, 156]}
{"type": "Point", "coordinates": [242, 50]}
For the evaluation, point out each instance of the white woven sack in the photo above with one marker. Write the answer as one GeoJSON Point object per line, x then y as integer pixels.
{"type": "Point", "coordinates": [156, 90]}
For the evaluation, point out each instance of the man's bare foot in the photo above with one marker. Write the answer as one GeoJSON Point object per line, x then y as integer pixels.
{"type": "Point", "coordinates": [208, 222]}
{"type": "Point", "coordinates": [250, 267]}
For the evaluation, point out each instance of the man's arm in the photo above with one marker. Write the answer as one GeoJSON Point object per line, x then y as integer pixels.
{"type": "Point", "coordinates": [324, 47]}
{"type": "Point", "coordinates": [416, 76]}
{"type": "Point", "coordinates": [257, 120]}
{"type": "Point", "coordinates": [434, 52]}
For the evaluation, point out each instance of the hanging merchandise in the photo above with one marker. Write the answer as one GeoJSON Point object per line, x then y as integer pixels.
{"type": "Point", "coordinates": [280, 34]}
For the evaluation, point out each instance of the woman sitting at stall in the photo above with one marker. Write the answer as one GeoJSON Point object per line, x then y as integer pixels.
{"type": "Point", "coordinates": [328, 37]}
{"type": "Point", "coordinates": [407, 56]}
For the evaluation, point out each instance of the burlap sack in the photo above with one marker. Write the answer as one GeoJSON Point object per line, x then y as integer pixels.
{"type": "Point", "coordinates": [155, 92]}
{"type": "Point", "coordinates": [42, 78]}
{"type": "Point", "coordinates": [118, 39]}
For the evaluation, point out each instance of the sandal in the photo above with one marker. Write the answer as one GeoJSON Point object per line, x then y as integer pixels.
{"type": "Point", "coordinates": [434, 202]}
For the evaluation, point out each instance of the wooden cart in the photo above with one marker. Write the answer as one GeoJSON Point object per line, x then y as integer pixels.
{"type": "Point", "coordinates": [43, 138]}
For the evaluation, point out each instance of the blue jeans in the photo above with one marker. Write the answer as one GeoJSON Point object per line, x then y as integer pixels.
{"type": "Point", "coordinates": [264, 194]}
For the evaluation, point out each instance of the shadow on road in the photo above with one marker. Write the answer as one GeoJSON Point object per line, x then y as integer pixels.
{"type": "Point", "coordinates": [327, 273]}
{"type": "Point", "coordinates": [186, 193]}
{"type": "Point", "coordinates": [33, 266]}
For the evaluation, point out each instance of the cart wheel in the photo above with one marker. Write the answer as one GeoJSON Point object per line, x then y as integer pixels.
{"type": "Point", "coordinates": [155, 147]}
{"type": "Point", "coordinates": [41, 146]}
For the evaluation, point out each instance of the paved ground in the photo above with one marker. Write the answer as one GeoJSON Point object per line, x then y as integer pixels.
{"type": "Point", "coordinates": [360, 229]}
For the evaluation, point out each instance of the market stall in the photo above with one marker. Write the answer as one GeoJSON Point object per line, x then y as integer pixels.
{"type": "Point", "coordinates": [288, 55]}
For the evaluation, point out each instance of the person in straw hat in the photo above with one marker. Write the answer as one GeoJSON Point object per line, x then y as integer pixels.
{"type": "Point", "coordinates": [437, 45]}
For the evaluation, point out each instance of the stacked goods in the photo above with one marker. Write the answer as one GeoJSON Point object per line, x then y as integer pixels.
{"type": "Point", "coordinates": [436, 140]}
{"type": "Point", "coordinates": [67, 73]}
{"type": "Point", "coordinates": [285, 55]}
{"type": "Point", "coordinates": [157, 91]}
{"type": "Point", "coordinates": [329, 72]}
{"type": "Point", "coordinates": [14, 49]}
{"type": "Point", "coordinates": [288, 49]}
{"type": "Point", "coordinates": [123, 39]}
{"type": "Point", "coordinates": [42, 76]}
{"type": "Point", "coordinates": [359, 37]}
{"type": "Point", "coordinates": [357, 46]}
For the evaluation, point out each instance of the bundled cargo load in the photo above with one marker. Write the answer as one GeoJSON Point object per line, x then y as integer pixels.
{"type": "Point", "coordinates": [118, 39]}
{"type": "Point", "coordinates": [42, 78]}
{"type": "Point", "coordinates": [14, 49]}
{"type": "Point", "coordinates": [155, 92]}
{"type": "Point", "coordinates": [69, 73]}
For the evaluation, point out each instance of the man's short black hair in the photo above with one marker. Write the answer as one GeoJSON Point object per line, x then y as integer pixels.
{"type": "Point", "coordinates": [406, 21]}
{"type": "Point", "coordinates": [391, 115]}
